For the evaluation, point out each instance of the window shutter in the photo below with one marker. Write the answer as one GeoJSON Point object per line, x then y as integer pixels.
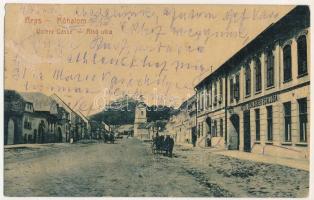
{"type": "Point", "coordinates": [236, 88]}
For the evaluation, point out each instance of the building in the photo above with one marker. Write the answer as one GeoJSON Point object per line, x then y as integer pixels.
{"type": "Point", "coordinates": [125, 129]}
{"type": "Point", "coordinates": [97, 130]}
{"type": "Point", "coordinates": [258, 100]}
{"type": "Point", "coordinates": [85, 126]}
{"type": "Point", "coordinates": [14, 108]}
{"type": "Point", "coordinates": [182, 124]}
{"type": "Point", "coordinates": [141, 131]}
{"type": "Point", "coordinates": [32, 118]}
{"type": "Point", "coordinates": [79, 125]}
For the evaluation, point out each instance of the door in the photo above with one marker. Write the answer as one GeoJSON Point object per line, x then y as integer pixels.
{"type": "Point", "coordinates": [59, 135]}
{"type": "Point", "coordinates": [209, 125]}
{"type": "Point", "coordinates": [247, 131]}
{"type": "Point", "coordinates": [234, 140]}
{"type": "Point", "coordinates": [11, 130]}
{"type": "Point", "coordinates": [41, 132]}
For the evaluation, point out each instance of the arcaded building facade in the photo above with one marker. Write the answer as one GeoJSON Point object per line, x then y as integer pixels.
{"type": "Point", "coordinates": [266, 92]}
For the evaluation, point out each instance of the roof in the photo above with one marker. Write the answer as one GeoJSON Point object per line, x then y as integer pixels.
{"type": "Point", "coordinates": [10, 95]}
{"type": "Point", "coordinates": [143, 126]}
{"type": "Point", "coordinates": [64, 105]}
{"type": "Point", "coordinates": [147, 125]}
{"type": "Point", "coordinates": [297, 18]}
{"type": "Point", "coordinates": [125, 127]}
{"type": "Point", "coordinates": [40, 101]}
{"type": "Point", "coordinates": [83, 116]}
{"type": "Point", "coordinates": [57, 98]}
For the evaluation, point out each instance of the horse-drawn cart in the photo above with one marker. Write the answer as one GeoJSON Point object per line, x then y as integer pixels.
{"type": "Point", "coordinates": [162, 145]}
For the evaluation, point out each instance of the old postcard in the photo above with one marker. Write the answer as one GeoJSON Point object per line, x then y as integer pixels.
{"type": "Point", "coordinates": [156, 100]}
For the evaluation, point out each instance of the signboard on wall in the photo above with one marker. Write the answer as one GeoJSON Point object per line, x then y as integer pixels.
{"type": "Point", "coordinates": [260, 102]}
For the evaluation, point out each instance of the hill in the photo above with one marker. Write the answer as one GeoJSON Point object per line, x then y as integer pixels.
{"type": "Point", "coordinates": [122, 111]}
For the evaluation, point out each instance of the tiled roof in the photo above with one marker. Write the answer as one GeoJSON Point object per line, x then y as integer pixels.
{"type": "Point", "coordinates": [40, 101]}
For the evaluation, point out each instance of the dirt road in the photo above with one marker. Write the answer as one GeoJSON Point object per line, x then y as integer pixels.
{"type": "Point", "coordinates": [129, 169]}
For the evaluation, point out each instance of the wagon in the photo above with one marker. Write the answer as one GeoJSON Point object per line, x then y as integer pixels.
{"type": "Point", "coordinates": [162, 145]}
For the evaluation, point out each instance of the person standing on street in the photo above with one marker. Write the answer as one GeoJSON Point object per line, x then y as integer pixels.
{"type": "Point", "coordinates": [194, 138]}
{"type": "Point", "coordinates": [209, 140]}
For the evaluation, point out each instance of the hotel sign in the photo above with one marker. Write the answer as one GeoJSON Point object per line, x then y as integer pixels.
{"type": "Point", "coordinates": [260, 102]}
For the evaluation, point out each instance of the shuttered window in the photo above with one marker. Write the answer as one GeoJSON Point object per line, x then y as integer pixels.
{"type": "Point", "coordinates": [302, 55]}
{"type": "Point", "coordinates": [287, 71]}
{"type": "Point", "coordinates": [269, 123]}
{"type": "Point", "coordinates": [247, 80]}
{"type": "Point", "coordinates": [258, 75]}
{"type": "Point", "coordinates": [270, 68]}
{"type": "Point", "coordinates": [287, 112]}
{"type": "Point", "coordinates": [303, 119]}
{"type": "Point", "coordinates": [257, 125]}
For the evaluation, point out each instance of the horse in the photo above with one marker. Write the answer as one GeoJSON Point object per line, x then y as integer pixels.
{"type": "Point", "coordinates": [168, 146]}
{"type": "Point", "coordinates": [111, 138]}
{"type": "Point", "coordinates": [106, 137]}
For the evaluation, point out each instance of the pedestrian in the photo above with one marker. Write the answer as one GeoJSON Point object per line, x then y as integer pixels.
{"type": "Point", "coordinates": [194, 138]}
{"type": "Point", "coordinates": [171, 145]}
{"type": "Point", "coordinates": [209, 140]}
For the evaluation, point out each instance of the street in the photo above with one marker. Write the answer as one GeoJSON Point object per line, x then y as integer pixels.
{"type": "Point", "coordinates": [128, 168]}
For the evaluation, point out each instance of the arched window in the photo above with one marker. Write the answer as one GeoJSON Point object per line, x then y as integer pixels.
{"type": "Point", "coordinates": [270, 68]}
{"type": "Point", "coordinates": [287, 73]}
{"type": "Point", "coordinates": [302, 55]}
{"type": "Point", "coordinates": [258, 75]}
{"type": "Point", "coordinates": [247, 79]}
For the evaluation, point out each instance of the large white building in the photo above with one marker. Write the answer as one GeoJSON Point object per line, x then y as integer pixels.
{"type": "Point", "coordinates": [258, 100]}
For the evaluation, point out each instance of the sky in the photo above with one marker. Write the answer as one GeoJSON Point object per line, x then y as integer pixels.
{"type": "Point", "coordinates": [90, 55]}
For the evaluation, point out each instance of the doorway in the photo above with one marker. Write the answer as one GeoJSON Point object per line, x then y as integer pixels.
{"type": "Point", "coordinates": [234, 138]}
{"type": "Point", "coordinates": [11, 129]}
{"type": "Point", "coordinates": [246, 131]}
{"type": "Point", "coordinates": [209, 125]}
{"type": "Point", "coordinates": [59, 135]}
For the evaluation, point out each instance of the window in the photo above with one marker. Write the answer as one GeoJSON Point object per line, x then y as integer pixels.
{"type": "Point", "coordinates": [27, 123]}
{"type": "Point", "coordinates": [231, 90]}
{"type": "Point", "coordinates": [28, 107]}
{"type": "Point", "coordinates": [302, 55]}
{"type": "Point", "coordinates": [270, 68]}
{"type": "Point", "coordinates": [198, 101]}
{"type": "Point", "coordinates": [287, 73]}
{"type": "Point", "coordinates": [303, 119]}
{"type": "Point", "coordinates": [287, 112]}
{"type": "Point", "coordinates": [205, 98]}
{"type": "Point", "coordinates": [215, 93]}
{"type": "Point", "coordinates": [142, 113]}
{"type": "Point", "coordinates": [237, 88]}
{"type": "Point", "coordinates": [221, 128]}
{"type": "Point", "coordinates": [269, 123]}
{"type": "Point", "coordinates": [220, 90]}
{"type": "Point", "coordinates": [202, 99]}
{"type": "Point", "coordinates": [258, 75]}
{"type": "Point", "coordinates": [257, 125]}
{"type": "Point", "coordinates": [210, 95]}
{"type": "Point", "coordinates": [247, 80]}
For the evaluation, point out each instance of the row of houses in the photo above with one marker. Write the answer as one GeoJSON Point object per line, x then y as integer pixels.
{"type": "Point", "coordinates": [37, 118]}
{"type": "Point", "coordinates": [258, 100]}
{"type": "Point", "coordinates": [182, 125]}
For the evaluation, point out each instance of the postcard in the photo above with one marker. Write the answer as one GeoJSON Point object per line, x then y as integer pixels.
{"type": "Point", "coordinates": [163, 100]}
